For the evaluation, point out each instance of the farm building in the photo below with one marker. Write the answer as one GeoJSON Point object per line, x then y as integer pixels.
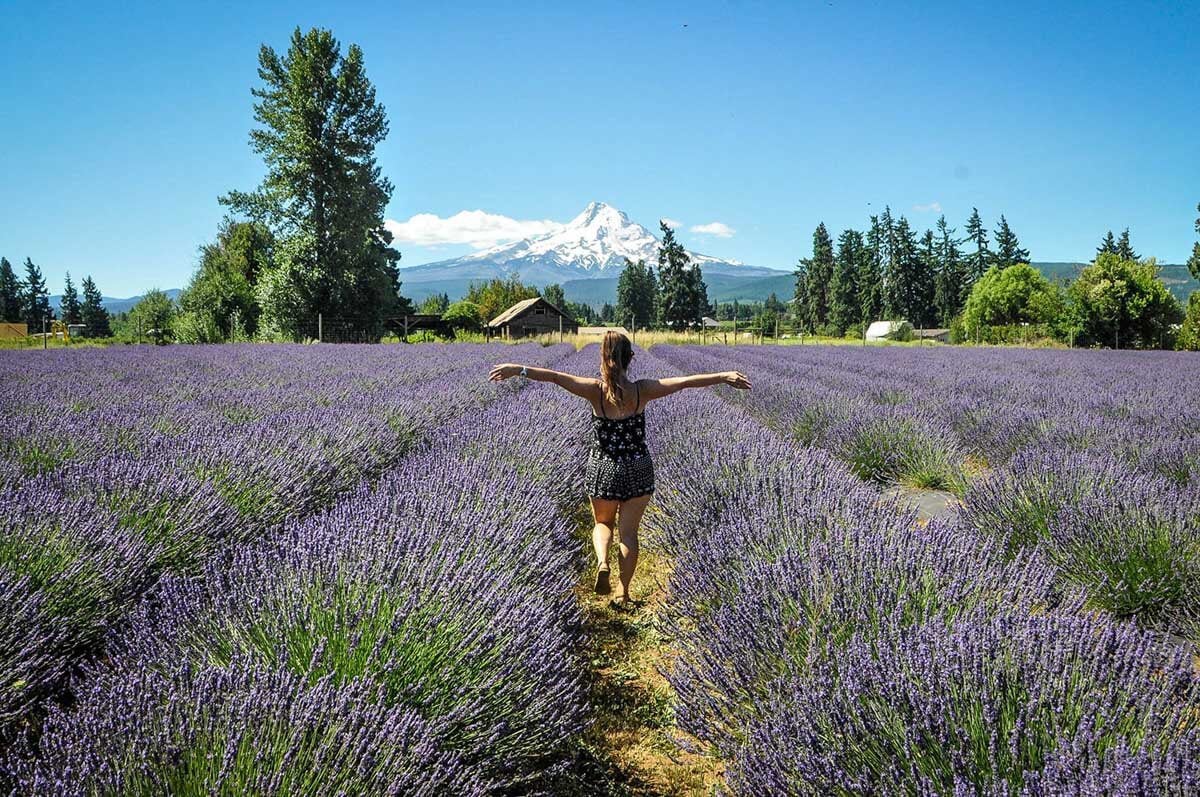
{"type": "Point", "coordinates": [602, 330]}
{"type": "Point", "coordinates": [534, 316]}
{"type": "Point", "coordinates": [886, 330]}
{"type": "Point", "coordinates": [940, 335]}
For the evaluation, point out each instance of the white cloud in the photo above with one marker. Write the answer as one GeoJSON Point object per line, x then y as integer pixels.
{"type": "Point", "coordinates": [476, 228]}
{"type": "Point", "coordinates": [932, 207]}
{"type": "Point", "coordinates": [672, 223]}
{"type": "Point", "coordinates": [716, 228]}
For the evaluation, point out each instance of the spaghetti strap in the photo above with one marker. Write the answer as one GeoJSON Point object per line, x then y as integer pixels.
{"type": "Point", "coordinates": [638, 407]}
{"type": "Point", "coordinates": [602, 412]}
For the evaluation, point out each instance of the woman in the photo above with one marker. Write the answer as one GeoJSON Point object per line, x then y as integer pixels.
{"type": "Point", "coordinates": [620, 475]}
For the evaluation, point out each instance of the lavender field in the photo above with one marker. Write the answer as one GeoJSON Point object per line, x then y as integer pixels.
{"type": "Point", "coordinates": [293, 570]}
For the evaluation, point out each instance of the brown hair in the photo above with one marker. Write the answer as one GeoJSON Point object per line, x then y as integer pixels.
{"type": "Point", "coordinates": [615, 353]}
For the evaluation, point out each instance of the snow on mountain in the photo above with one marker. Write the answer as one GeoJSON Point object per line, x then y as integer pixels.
{"type": "Point", "coordinates": [592, 245]}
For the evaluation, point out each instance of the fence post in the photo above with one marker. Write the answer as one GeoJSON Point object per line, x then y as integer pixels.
{"type": "Point", "coordinates": [776, 328]}
{"type": "Point", "coordinates": [406, 328]}
{"type": "Point", "coordinates": [45, 345]}
{"type": "Point", "coordinates": [560, 331]}
{"type": "Point", "coordinates": [735, 329]}
{"type": "Point", "coordinates": [320, 327]}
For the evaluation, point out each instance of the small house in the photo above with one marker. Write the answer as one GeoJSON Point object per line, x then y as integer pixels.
{"type": "Point", "coordinates": [534, 316]}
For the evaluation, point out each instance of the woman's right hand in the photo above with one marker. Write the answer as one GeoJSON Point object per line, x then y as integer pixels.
{"type": "Point", "coordinates": [736, 379]}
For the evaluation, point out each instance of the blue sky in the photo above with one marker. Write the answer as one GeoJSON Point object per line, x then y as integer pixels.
{"type": "Point", "coordinates": [120, 126]}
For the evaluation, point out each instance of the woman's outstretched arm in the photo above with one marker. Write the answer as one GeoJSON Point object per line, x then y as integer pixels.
{"type": "Point", "coordinates": [657, 388]}
{"type": "Point", "coordinates": [579, 385]}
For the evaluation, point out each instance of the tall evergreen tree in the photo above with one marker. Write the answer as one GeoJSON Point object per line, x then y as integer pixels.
{"type": "Point", "coordinates": [11, 310]}
{"type": "Point", "coordinates": [819, 270]}
{"type": "Point", "coordinates": [1193, 263]}
{"type": "Point", "coordinates": [845, 303]}
{"type": "Point", "coordinates": [979, 259]}
{"type": "Point", "coordinates": [951, 286]}
{"type": "Point", "coordinates": [35, 301]}
{"type": "Point", "coordinates": [637, 296]}
{"type": "Point", "coordinates": [870, 277]}
{"type": "Point", "coordinates": [323, 195]}
{"type": "Point", "coordinates": [924, 309]}
{"type": "Point", "coordinates": [905, 286]}
{"type": "Point", "coordinates": [69, 308]}
{"type": "Point", "coordinates": [1125, 248]}
{"type": "Point", "coordinates": [698, 293]}
{"type": "Point", "coordinates": [677, 289]}
{"type": "Point", "coordinates": [92, 312]}
{"type": "Point", "coordinates": [1107, 247]}
{"type": "Point", "coordinates": [1008, 248]}
{"type": "Point", "coordinates": [801, 303]}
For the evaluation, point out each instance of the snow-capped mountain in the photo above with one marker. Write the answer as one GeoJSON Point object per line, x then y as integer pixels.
{"type": "Point", "coordinates": [592, 245]}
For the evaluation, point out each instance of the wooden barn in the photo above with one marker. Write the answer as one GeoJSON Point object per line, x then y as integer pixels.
{"type": "Point", "coordinates": [534, 316]}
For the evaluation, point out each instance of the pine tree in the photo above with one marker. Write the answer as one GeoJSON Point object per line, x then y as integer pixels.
{"type": "Point", "coordinates": [677, 291]}
{"type": "Point", "coordinates": [698, 293]}
{"type": "Point", "coordinates": [870, 277]}
{"type": "Point", "coordinates": [10, 294]}
{"type": "Point", "coordinates": [925, 283]}
{"type": "Point", "coordinates": [1008, 248]}
{"type": "Point", "coordinates": [1193, 263]}
{"type": "Point", "coordinates": [1107, 247]}
{"type": "Point", "coordinates": [800, 298]}
{"type": "Point", "coordinates": [323, 196]}
{"type": "Point", "coordinates": [979, 260]}
{"type": "Point", "coordinates": [637, 295]}
{"type": "Point", "coordinates": [845, 303]}
{"type": "Point", "coordinates": [904, 285]}
{"type": "Point", "coordinates": [1125, 248]}
{"type": "Point", "coordinates": [951, 288]}
{"type": "Point", "coordinates": [819, 269]}
{"type": "Point", "coordinates": [93, 312]}
{"type": "Point", "coordinates": [35, 302]}
{"type": "Point", "coordinates": [69, 307]}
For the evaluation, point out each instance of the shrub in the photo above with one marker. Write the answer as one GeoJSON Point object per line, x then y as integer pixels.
{"type": "Point", "coordinates": [1030, 705]}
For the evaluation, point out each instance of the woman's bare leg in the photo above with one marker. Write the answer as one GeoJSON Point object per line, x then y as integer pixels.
{"type": "Point", "coordinates": [605, 513]}
{"type": "Point", "coordinates": [630, 520]}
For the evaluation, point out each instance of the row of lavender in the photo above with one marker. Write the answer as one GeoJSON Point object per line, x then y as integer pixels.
{"type": "Point", "coordinates": [1093, 459]}
{"type": "Point", "coordinates": [119, 466]}
{"type": "Point", "coordinates": [829, 643]}
{"type": "Point", "coordinates": [418, 637]}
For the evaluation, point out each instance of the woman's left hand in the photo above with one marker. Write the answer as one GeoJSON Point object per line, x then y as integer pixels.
{"type": "Point", "coordinates": [504, 371]}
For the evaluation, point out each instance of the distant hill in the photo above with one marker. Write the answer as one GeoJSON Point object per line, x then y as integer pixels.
{"type": "Point", "coordinates": [115, 305]}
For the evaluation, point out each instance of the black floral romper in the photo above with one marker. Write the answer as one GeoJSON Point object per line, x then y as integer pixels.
{"type": "Point", "coordinates": [619, 466]}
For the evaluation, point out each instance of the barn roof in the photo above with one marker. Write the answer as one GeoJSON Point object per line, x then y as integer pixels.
{"type": "Point", "coordinates": [519, 309]}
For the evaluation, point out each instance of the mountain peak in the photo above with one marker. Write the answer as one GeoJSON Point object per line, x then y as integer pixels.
{"type": "Point", "coordinates": [599, 213]}
{"type": "Point", "coordinates": [596, 243]}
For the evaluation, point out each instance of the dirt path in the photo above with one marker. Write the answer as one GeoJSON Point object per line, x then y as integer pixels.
{"type": "Point", "coordinates": [631, 748]}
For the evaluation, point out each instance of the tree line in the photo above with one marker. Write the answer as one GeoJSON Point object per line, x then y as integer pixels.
{"type": "Point", "coordinates": [28, 301]}
{"type": "Point", "coordinates": [984, 289]}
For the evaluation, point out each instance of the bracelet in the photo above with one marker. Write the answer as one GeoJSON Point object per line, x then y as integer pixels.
{"type": "Point", "coordinates": [524, 372]}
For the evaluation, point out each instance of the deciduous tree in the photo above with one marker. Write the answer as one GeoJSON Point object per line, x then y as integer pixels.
{"type": "Point", "coordinates": [1123, 303]}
